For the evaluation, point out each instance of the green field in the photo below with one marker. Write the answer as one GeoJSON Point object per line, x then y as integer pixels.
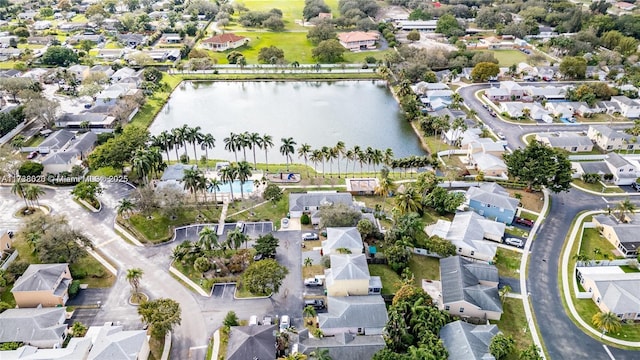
{"type": "Point", "coordinates": [508, 57]}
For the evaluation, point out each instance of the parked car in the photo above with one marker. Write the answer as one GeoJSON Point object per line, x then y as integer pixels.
{"type": "Point", "coordinates": [525, 222]}
{"type": "Point", "coordinates": [240, 226]}
{"type": "Point", "coordinates": [267, 320]}
{"type": "Point", "coordinates": [253, 320]}
{"type": "Point", "coordinates": [285, 223]}
{"type": "Point", "coordinates": [312, 282]}
{"type": "Point", "coordinates": [501, 136]}
{"type": "Point", "coordinates": [310, 236]}
{"type": "Point", "coordinates": [635, 186]}
{"type": "Point", "coordinates": [514, 241]}
{"type": "Point", "coordinates": [285, 322]}
{"type": "Point", "coordinates": [492, 113]}
{"type": "Point", "coordinates": [32, 155]}
{"type": "Point", "coordinates": [317, 304]}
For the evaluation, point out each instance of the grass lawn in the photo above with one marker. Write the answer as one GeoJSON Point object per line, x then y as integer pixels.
{"type": "Point", "coordinates": [508, 57]}
{"type": "Point", "coordinates": [508, 262]}
{"type": "Point", "coordinates": [390, 279]}
{"type": "Point", "coordinates": [514, 323]}
{"type": "Point", "coordinates": [516, 231]}
{"type": "Point", "coordinates": [435, 145]}
{"type": "Point", "coordinates": [529, 200]}
{"type": "Point", "coordinates": [595, 246]}
{"type": "Point", "coordinates": [96, 274]}
{"type": "Point", "coordinates": [239, 211]}
{"type": "Point", "coordinates": [159, 228]}
{"type": "Point", "coordinates": [196, 277]}
{"type": "Point", "coordinates": [156, 346]}
{"type": "Point", "coordinates": [106, 171]}
{"type": "Point", "coordinates": [597, 187]}
{"type": "Point", "coordinates": [424, 267]}
{"type": "Point", "coordinates": [587, 308]}
{"type": "Point", "coordinates": [312, 271]}
{"type": "Point", "coordinates": [295, 45]}
{"type": "Point", "coordinates": [629, 269]}
{"type": "Point", "coordinates": [113, 45]}
{"type": "Point", "coordinates": [154, 103]}
{"type": "Point", "coordinates": [34, 141]}
{"type": "Point", "coordinates": [79, 18]}
{"type": "Point", "coordinates": [358, 57]}
{"type": "Point", "coordinates": [528, 215]}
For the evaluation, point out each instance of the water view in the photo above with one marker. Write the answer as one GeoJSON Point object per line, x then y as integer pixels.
{"type": "Point", "coordinates": [319, 113]}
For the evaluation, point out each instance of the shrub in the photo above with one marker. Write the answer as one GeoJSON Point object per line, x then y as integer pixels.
{"type": "Point", "coordinates": [305, 219]}
{"type": "Point", "coordinates": [74, 288]}
{"type": "Point", "coordinates": [78, 273]}
{"type": "Point", "coordinates": [30, 168]}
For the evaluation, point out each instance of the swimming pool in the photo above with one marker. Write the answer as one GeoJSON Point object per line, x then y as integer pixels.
{"type": "Point", "coordinates": [225, 188]}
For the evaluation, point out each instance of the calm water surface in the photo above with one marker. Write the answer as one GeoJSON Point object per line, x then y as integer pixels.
{"type": "Point", "coordinates": [359, 113]}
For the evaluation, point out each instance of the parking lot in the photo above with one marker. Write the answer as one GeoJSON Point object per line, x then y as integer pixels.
{"type": "Point", "coordinates": [86, 303]}
{"type": "Point", "coordinates": [251, 229]}
{"type": "Point", "coordinates": [191, 232]}
{"type": "Point", "coordinates": [223, 291]}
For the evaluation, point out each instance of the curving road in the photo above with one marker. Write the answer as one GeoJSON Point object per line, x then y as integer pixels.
{"type": "Point", "coordinates": [562, 338]}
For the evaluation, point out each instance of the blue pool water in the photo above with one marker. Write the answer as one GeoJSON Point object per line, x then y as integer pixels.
{"type": "Point", "coordinates": [225, 188]}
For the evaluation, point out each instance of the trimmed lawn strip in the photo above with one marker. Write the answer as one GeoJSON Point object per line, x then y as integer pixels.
{"type": "Point", "coordinates": [265, 212]}
{"type": "Point", "coordinates": [391, 281]}
{"type": "Point", "coordinates": [160, 228]}
{"type": "Point", "coordinates": [424, 267]}
{"type": "Point", "coordinates": [595, 246]}
{"type": "Point", "coordinates": [508, 262]}
{"type": "Point", "coordinates": [513, 322]}
{"type": "Point", "coordinates": [312, 271]}
{"type": "Point", "coordinates": [508, 57]}
{"type": "Point", "coordinates": [154, 103]}
{"type": "Point", "coordinates": [629, 269]}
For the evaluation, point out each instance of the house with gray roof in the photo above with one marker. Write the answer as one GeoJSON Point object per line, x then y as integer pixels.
{"type": "Point", "coordinates": [38, 327]}
{"type": "Point", "coordinates": [172, 176]}
{"type": "Point", "coordinates": [629, 107]}
{"type": "Point", "coordinates": [362, 315]}
{"type": "Point", "coordinates": [73, 153]}
{"type": "Point", "coordinates": [42, 285]}
{"type": "Point", "coordinates": [612, 290]}
{"type": "Point", "coordinates": [465, 341]}
{"type": "Point", "coordinates": [349, 276]}
{"type": "Point", "coordinates": [609, 139]}
{"type": "Point", "coordinates": [493, 202]}
{"type": "Point", "coordinates": [467, 289]}
{"type": "Point", "coordinates": [252, 342]}
{"type": "Point", "coordinates": [622, 235]}
{"type": "Point", "coordinates": [473, 235]}
{"type": "Point", "coordinates": [310, 203]}
{"type": "Point", "coordinates": [622, 170]}
{"type": "Point", "coordinates": [342, 346]}
{"type": "Point", "coordinates": [56, 141]}
{"type": "Point", "coordinates": [342, 238]}
{"type": "Point", "coordinates": [95, 122]}
{"type": "Point", "coordinates": [568, 141]}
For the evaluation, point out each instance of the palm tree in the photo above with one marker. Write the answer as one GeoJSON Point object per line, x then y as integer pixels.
{"type": "Point", "coordinates": [408, 201]}
{"type": "Point", "coordinates": [607, 321]}
{"type": "Point", "coordinates": [214, 185]}
{"type": "Point", "coordinates": [504, 292]}
{"type": "Point", "coordinates": [377, 156]}
{"type": "Point", "coordinates": [231, 144]}
{"type": "Point", "coordinates": [164, 140]}
{"type": "Point", "coordinates": [321, 354]}
{"type": "Point", "coordinates": [325, 156]}
{"type": "Point", "coordinates": [385, 186]}
{"type": "Point", "coordinates": [191, 180]}
{"type": "Point", "coordinates": [304, 151]}
{"type": "Point", "coordinates": [125, 206]}
{"type": "Point", "coordinates": [18, 189]}
{"type": "Point", "coordinates": [235, 238]}
{"type": "Point", "coordinates": [309, 311]}
{"type": "Point", "coordinates": [133, 276]}
{"type": "Point", "coordinates": [228, 175]}
{"type": "Point", "coordinates": [141, 162]}
{"type": "Point", "coordinates": [331, 154]}
{"type": "Point", "coordinates": [340, 150]}
{"type": "Point", "coordinates": [18, 141]}
{"type": "Point", "coordinates": [176, 140]}
{"type": "Point", "coordinates": [33, 193]}
{"type": "Point", "coordinates": [308, 261]}
{"type": "Point", "coordinates": [316, 157]}
{"type": "Point", "coordinates": [207, 239]}
{"type": "Point", "coordinates": [243, 174]}
{"type": "Point", "coordinates": [287, 148]}
{"type": "Point", "coordinates": [624, 207]}
{"type": "Point", "coordinates": [244, 142]}
{"type": "Point", "coordinates": [256, 142]}
{"type": "Point", "coordinates": [267, 142]}
{"type": "Point", "coordinates": [181, 136]}
{"type": "Point", "coordinates": [387, 158]}
{"type": "Point", "coordinates": [370, 155]}
{"type": "Point", "coordinates": [349, 155]}
{"type": "Point", "coordinates": [207, 142]}
{"type": "Point", "coordinates": [356, 157]}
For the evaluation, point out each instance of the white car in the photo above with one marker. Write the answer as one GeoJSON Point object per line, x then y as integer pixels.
{"type": "Point", "coordinates": [514, 241]}
{"type": "Point", "coordinates": [312, 282]}
{"type": "Point", "coordinates": [285, 322]}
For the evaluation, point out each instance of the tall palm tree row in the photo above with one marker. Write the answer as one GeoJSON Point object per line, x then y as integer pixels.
{"type": "Point", "coordinates": [287, 148]}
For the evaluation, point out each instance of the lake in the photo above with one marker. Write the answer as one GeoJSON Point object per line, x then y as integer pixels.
{"type": "Point", "coordinates": [319, 113]}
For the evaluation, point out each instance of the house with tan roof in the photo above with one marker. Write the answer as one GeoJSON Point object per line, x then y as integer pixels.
{"type": "Point", "coordinates": [224, 42]}
{"type": "Point", "coordinates": [43, 284]}
{"type": "Point", "coordinates": [358, 40]}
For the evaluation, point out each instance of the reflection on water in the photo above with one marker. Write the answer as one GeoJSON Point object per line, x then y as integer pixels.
{"type": "Point", "coordinates": [318, 113]}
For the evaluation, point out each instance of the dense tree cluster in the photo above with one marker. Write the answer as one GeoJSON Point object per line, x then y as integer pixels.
{"type": "Point", "coordinates": [9, 120]}
{"type": "Point", "coordinates": [312, 8]}
{"type": "Point", "coordinates": [540, 165]}
{"type": "Point", "coordinates": [271, 20]}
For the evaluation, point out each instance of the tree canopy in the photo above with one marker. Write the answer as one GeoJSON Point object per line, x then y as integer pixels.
{"type": "Point", "coordinates": [483, 71]}
{"type": "Point", "coordinates": [264, 277]}
{"type": "Point", "coordinates": [540, 165]}
{"type": "Point", "coordinates": [328, 51]}
{"type": "Point", "coordinates": [266, 245]}
{"type": "Point", "coordinates": [59, 56]}
{"type": "Point", "coordinates": [161, 315]}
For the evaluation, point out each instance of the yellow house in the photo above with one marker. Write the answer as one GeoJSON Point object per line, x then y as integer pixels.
{"type": "Point", "coordinates": [348, 275]}
{"type": "Point", "coordinates": [5, 240]}
{"type": "Point", "coordinates": [612, 290]}
{"type": "Point", "coordinates": [621, 235]}
{"type": "Point", "coordinates": [43, 284]}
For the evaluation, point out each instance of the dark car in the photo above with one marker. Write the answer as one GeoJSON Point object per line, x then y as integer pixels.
{"type": "Point", "coordinates": [523, 221]}
{"type": "Point", "coordinates": [317, 304]}
{"type": "Point", "coordinates": [635, 186]}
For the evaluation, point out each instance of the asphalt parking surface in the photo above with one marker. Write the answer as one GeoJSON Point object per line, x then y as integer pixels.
{"type": "Point", "coordinates": [223, 291]}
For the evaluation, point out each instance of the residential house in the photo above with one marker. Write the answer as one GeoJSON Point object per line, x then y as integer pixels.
{"type": "Point", "coordinates": [10, 73]}
{"type": "Point", "coordinates": [436, 100]}
{"type": "Point", "coordinates": [72, 26]}
{"type": "Point", "coordinates": [41, 25]}
{"type": "Point", "coordinates": [37, 74]}
{"type": "Point", "coordinates": [94, 38]}
{"type": "Point", "coordinates": [363, 186]}
{"type": "Point", "coordinates": [127, 73]}
{"type": "Point", "coordinates": [473, 235]}
{"type": "Point", "coordinates": [99, 343]}
{"type": "Point", "coordinates": [38, 327]}
{"type": "Point", "coordinates": [516, 109]}
{"type": "Point", "coordinates": [40, 40]}
{"type": "Point", "coordinates": [349, 276]}
{"type": "Point", "coordinates": [73, 154]}
{"type": "Point", "coordinates": [493, 202]}
{"type": "Point", "coordinates": [362, 315]}
{"type": "Point", "coordinates": [596, 73]}
{"type": "Point", "coordinates": [564, 111]}
{"type": "Point", "coordinates": [55, 141]}
{"type": "Point", "coordinates": [461, 138]}
{"type": "Point", "coordinates": [132, 40]}
{"type": "Point", "coordinates": [42, 285]}
{"type": "Point", "coordinates": [623, 171]}
{"type": "Point", "coordinates": [27, 15]}
{"type": "Point", "coordinates": [468, 289]}
{"type": "Point", "coordinates": [629, 107]}
{"type": "Point", "coordinates": [110, 54]}
{"type": "Point", "coordinates": [6, 239]}
{"type": "Point", "coordinates": [497, 94]}
{"type": "Point", "coordinates": [348, 238]}
{"type": "Point", "coordinates": [486, 155]}
{"type": "Point", "coordinates": [251, 342]}
{"type": "Point", "coordinates": [170, 38]}
{"type": "Point", "coordinates": [224, 42]}
{"type": "Point", "coordinates": [96, 122]}
{"type": "Point", "coordinates": [420, 25]}
{"type": "Point", "coordinates": [10, 53]}
{"type": "Point", "coordinates": [465, 341]}
{"type": "Point", "coordinates": [624, 236]}
{"type": "Point", "coordinates": [80, 72]}
{"type": "Point", "coordinates": [515, 90]}
{"type": "Point", "coordinates": [105, 69]}
{"type": "Point", "coordinates": [173, 175]}
{"type": "Point", "coordinates": [311, 202]}
{"type": "Point", "coordinates": [358, 40]}
{"type": "Point", "coordinates": [625, 6]}
{"type": "Point", "coordinates": [548, 93]}
{"type": "Point", "coordinates": [342, 346]}
{"type": "Point", "coordinates": [162, 55]}
{"type": "Point", "coordinates": [612, 290]}
{"type": "Point", "coordinates": [422, 88]}
{"type": "Point", "coordinates": [568, 141]}
{"type": "Point", "coordinates": [112, 94]}
{"type": "Point", "coordinates": [607, 138]}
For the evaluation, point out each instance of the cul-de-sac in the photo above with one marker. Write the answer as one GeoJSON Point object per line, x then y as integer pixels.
{"type": "Point", "coordinates": [319, 179]}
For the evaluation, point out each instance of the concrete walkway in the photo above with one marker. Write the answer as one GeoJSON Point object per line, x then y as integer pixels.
{"type": "Point", "coordinates": [566, 275]}
{"type": "Point", "coordinates": [223, 215]}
